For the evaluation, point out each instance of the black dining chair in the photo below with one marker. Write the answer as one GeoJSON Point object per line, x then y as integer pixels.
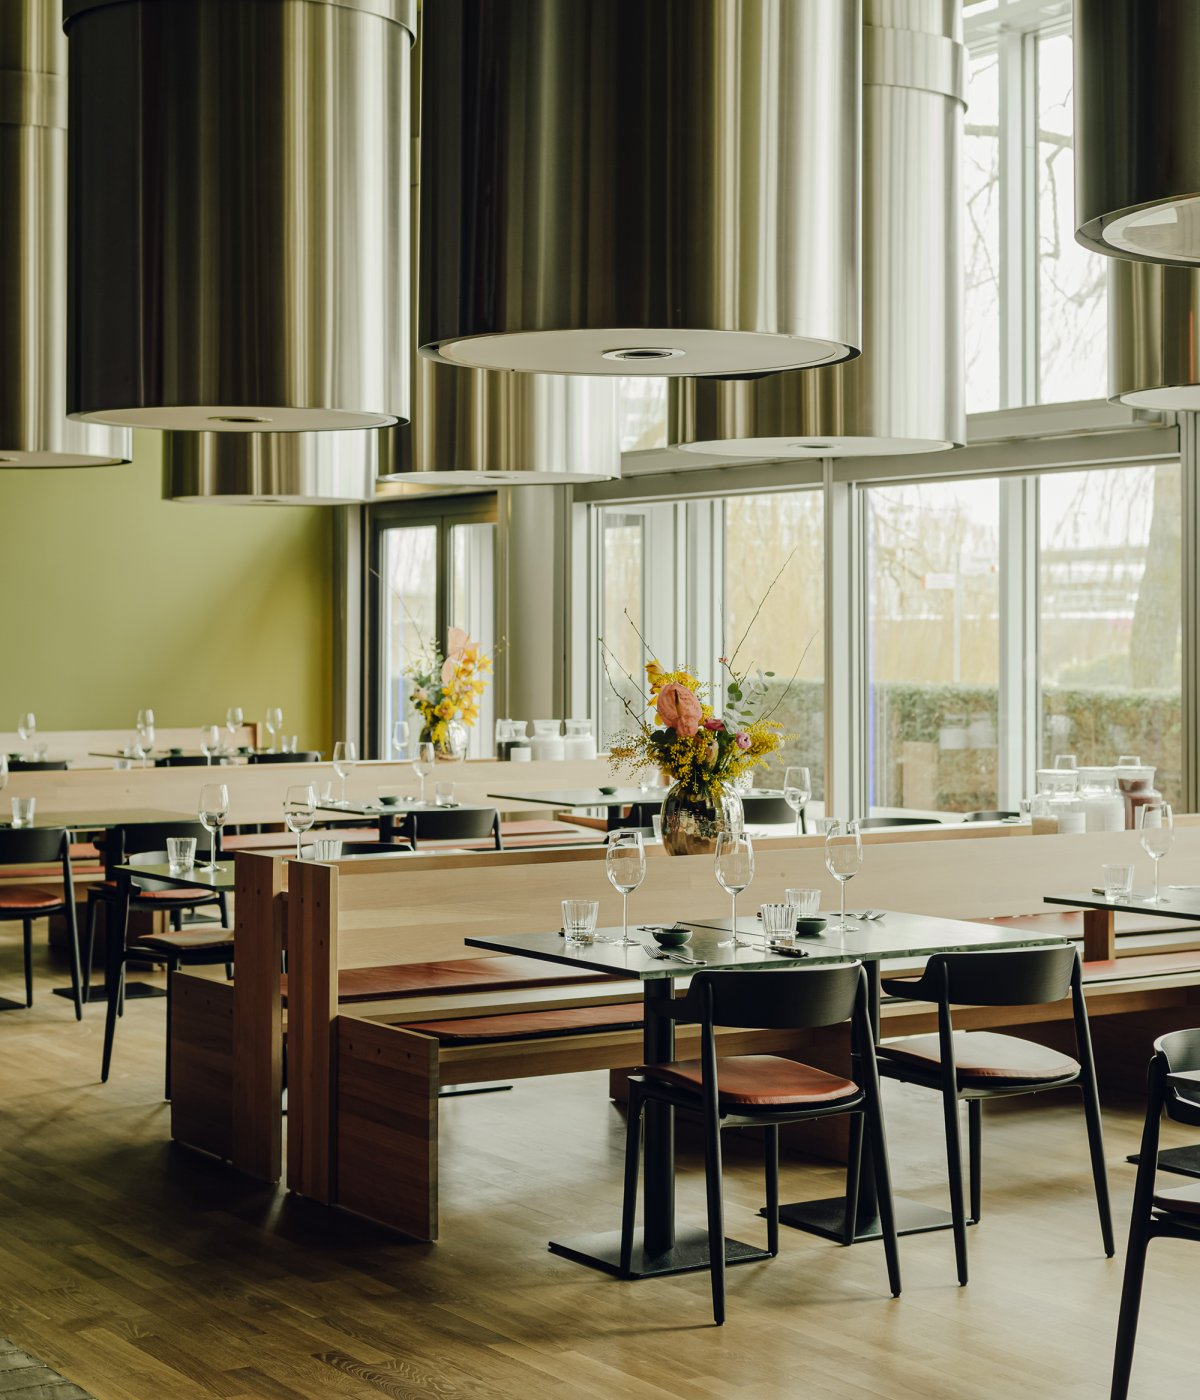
{"type": "Point", "coordinates": [302, 756]}
{"type": "Point", "coordinates": [990, 816]}
{"type": "Point", "coordinates": [1173, 1213]}
{"type": "Point", "coordinates": [37, 765]}
{"type": "Point", "coordinates": [763, 1091]}
{"type": "Point", "coordinates": [978, 1065]}
{"type": "Point", "coordinates": [878, 823]}
{"type": "Point", "coordinates": [450, 824]}
{"type": "Point", "coordinates": [24, 903]}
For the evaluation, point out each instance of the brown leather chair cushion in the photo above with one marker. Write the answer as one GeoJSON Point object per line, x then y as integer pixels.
{"type": "Point", "coordinates": [187, 941]}
{"type": "Point", "coordinates": [982, 1057]}
{"type": "Point", "coordinates": [759, 1081]}
{"type": "Point", "coordinates": [501, 974]}
{"type": "Point", "coordinates": [27, 899]}
{"type": "Point", "coordinates": [532, 1025]}
{"type": "Point", "coordinates": [1180, 1200]}
{"type": "Point", "coordinates": [180, 895]}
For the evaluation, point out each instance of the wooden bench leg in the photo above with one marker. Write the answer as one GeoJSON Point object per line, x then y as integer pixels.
{"type": "Point", "coordinates": [1099, 935]}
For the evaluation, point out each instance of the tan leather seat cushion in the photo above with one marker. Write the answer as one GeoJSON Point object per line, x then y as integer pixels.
{"type": "Point", "coordinates": [187, 941]}
{"type": "Point", "coordinates": [1180, 1200]}
{"type": "Point", "coordinates": [983, 1057]}
{"type": "Point", "coordinates": [27, 898]}
{"type": "Point", "coordinates": [532, 1025]}
{"type": "Point", "coordinates": [758, 1081]}
{"type": "Point", "coordinates": [500, 974]}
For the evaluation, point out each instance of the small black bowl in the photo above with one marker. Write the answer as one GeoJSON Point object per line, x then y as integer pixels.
{"type": "Point", "coordinates": [671, 937]}
{"type": "Point", "coordinates": [607, 791]}
{"type": "Point", "coordinates": [811, 926]}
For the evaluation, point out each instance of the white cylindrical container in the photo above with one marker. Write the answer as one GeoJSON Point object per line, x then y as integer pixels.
{"type": "Point", "coordinates": [1103, 805]}
{"type": "Point", "coordinates": [547, 742]}
{"type": "Point", "coordinates": [579, 742]}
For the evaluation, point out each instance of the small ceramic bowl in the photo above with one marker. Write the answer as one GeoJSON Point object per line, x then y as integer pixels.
{"type": "Point", "coordinates": [811, 926]}
{"type": "Point", "coordinates": [389, 799]}
{"type": "Point", "coordinates": [607, 791]}
{"type": "Point", "coordinates": [671, 937]}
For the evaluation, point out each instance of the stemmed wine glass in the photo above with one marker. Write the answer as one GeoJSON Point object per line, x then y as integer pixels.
{"type": "Point", "coordinates": [1156, 822]}
{"type": "Point", "coordinates": [797, 789]}
{"type": "Point", "coordinates": [423, 765]}
{"type": "Point", "coordinates": [345, 756]}
{"type": "Point", "coordinates": [843, 860]}
{"type": "Point", "coordinates": [145, 730]}
{"type": "Point", "coordinates": [234, 716]}
{"type": "Point", "coordinates": [274, 724]}
{"type": "Point", "coordinates": [27, 729]}
{"type": "Point", "coordinates": [400, 734]}
{"type": "Point", "coordinates": [3, 771]}
{"type": "Point", "coordinates": [300, 811]}
{"type": "Point", "coordinates": [212, 811]}
{"type": "Point", "coordinates": [625, 862]}
{"type": "Point", "coordinates": [210, 741]}
{"type": "Point", "coordinates": [735, 870]}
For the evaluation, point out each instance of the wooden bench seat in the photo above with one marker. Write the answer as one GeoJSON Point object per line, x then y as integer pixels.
{"type": "Point", "coordinates": [530, 1025]}
{"type": "Point", "coordinates": [502, 974]}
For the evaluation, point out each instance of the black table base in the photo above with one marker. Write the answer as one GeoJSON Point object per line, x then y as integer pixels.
{"type": "Point", "coordinates": [827, 1218]}
{"type": "Point", "coordinates": [134, 991]}
{"type": "Point", "coordinates": [1184, 1160]}
{"type": "Point", "coordinates": [689, 1253]}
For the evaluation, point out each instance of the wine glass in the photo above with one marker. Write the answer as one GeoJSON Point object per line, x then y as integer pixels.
{"type": "Point", "coordinates": [735, 870]}
{"type": "Point", "coordinates": [345, 756]}
{"type": "Point", "coordinates": [1156, 822]}
{"type": "Point", "coordinates": [233, 722]}
{"type": "Point", "coordinates": [212, 811]}
{"type": "Point", "coordinates": [299, 811]}
{"type": "Point", "coordinates": [274, 724]}
{"type": "Point", "coordinates": [797, 789]}
{"type": "Point", "coordinates": [423, 765]}
{"type": "Point", "coordinates": [3, 771]}
{"type": "Point", "coordinates": [400, 734]}
{"type": "Point", "coordinates": [145, 729]}
{"type": "Point", "coordinates": [27, 729]}
{"type": "Point", "coordinates": [625, 863]}
{"type": "Point", "coordinates": [843, 860]}
{"type": "Point", "coordinates": [210, 741]}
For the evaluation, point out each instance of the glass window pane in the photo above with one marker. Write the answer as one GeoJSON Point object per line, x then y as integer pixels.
{"type": "Point", "coordinates": [472, 606]}
{"type": "Point", "coordinates": [933, 645]}
{"type": "Point", "coordinates": [1072, 304]}
{"type": "Point", "coordinates": [981, 233]}
{"type": "Point", "coordinates": [787, 636]}
{"type": "Point", "coordinates": [409, 605]}
{"type": "Point", "coordinates": [643, 413]}
{"type": "Point", "coordinates": [620, 660]}
{"type": "Point", "coordinates": [1110, 617]}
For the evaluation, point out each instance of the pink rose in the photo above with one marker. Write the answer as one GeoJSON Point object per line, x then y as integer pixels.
{"type": "Point", "coordinates": [742, 740]}
{"type": "Point", "coordinates": [715, 725]}
{"type": "Point", "coordinates": [679, 709]}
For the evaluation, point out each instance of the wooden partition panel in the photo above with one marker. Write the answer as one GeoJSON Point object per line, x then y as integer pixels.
{"type": "Point", "coordinates": [312, 1005]}
{"type": "Point", "coordinates": [256, 1146]}
{"type": "Point", "coordinates": [201, 1052]}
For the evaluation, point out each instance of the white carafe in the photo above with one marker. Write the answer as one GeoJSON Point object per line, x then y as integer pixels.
{"type": "Point", "coordinates": [579, 742]}
{"type": "Point", "coordinates": [1103, 805]}
{"type": "Point", "coordinates": [547, 741]}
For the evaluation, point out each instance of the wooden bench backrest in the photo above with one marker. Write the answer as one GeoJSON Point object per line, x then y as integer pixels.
{"type": "Point", "coordinates": [78, 746]}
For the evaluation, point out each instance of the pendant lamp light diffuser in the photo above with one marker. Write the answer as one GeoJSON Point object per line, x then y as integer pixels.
{"type": "Point", "coordinates": [904, 393]}
{"type": "Point", "coordinates": [239, 184]}
{"type": "Point", "coordinates": [34, 428]}
{"type": "Point", "coordinates": [289, 469]}
{"type": "Point", "coordinates": [1154, 335]}
{"type": "Point", "coordinates": [666, 188]}
{"type": "Point", "coordinates": [1137, 112]}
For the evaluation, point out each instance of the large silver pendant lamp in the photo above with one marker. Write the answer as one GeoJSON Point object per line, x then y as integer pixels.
{"type": "Point", "coordinates": [1137, 122]}
{"type": "Point", "coordinates": [1154, 335]}
{"type": "Point", "coordinates": [653, 188]}
{"type": "Point", "coordinates": [289, 469]}
{"type": "Point", "coordinates": [905, 392]}
{"type": "Point", "coordinates": [34, 428]}
{"type": "Point", "coordinates": [239, 222]}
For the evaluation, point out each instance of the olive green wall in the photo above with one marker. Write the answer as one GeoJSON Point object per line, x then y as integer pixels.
{"type": "Point", "coordinates": [115, 599]}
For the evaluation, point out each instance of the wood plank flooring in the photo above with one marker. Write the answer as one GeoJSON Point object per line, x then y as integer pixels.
{"type": "Point", "coordinates": [143, 1272]}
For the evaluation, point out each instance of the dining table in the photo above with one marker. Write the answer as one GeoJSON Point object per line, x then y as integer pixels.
{"type": "Point", "coordinates": [612, 799]}
{"type": "Point", "coordinates": [386, 813]}
{"type": "Point", "coordinates": [892, 935]}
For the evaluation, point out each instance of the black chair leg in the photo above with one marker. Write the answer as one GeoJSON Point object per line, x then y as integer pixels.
{"type": "Point", "coordinates": [177, 920]}
{"type": "Point", "coordinates": [171, 970]}
{"type": "Point", "coordinates": [975, 1156]}
{"type": "Point", "coordinates": [76, 974]}
{"type": "Point", "coordinates": [1131, 1301]}
{"type": "Point", "coordinates": [229, 972]}
{"type": "Point", "coordinates": [853, 1178]}
{"type": "Point", "coordinates": [115, 988]}
{"type": "Point", "coordinates": [883, 1190]}
{"type": "Point", "coordinates": [716, 1214]}
{"type": "Point", "coordinates": [89, 957]}
{"type": "Point", "coordinates": [1095, 1132]}
{"type": "Point", "coordinates": [27, 941]}
{"type": "Point", "coordinates": [223, 906]}
{"type": "Point", "coordinates": [771, 1166]}
{"type": "Point", "coordinates": [633, 1145]}
{"type": "Point", "coordinates": [954, 1168]}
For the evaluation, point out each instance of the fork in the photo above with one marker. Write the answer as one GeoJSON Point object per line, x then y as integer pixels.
{"type": "Point", "coordinates": [664, 956]}
{"type": "Point", "coordinates": [870, 915]}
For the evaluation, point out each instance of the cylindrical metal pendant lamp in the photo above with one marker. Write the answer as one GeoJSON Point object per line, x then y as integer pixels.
{"type": "Point", "coordinates": [481, 427]}
{"type": "Point", "coordinates": [656, 188]}
{"type": "Point", "coordinates": [1137, 117]}
{"type": "Point", "coordinates": [1154, 335]}
{"type": "Point", "coordinates": [239, 228]}
{"type": "Point", "coordinates": [34, 428]}
{"type": "Point", "coordinates": [291, 469]}
{"type": "Point", "coordinates": [905, 392]}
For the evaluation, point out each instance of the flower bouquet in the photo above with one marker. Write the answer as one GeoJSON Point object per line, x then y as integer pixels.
{"type": "Point", "coordinates": [446, 691]}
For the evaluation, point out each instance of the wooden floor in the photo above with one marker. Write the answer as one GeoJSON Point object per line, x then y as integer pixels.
{"type": "Point", "coordinates": [143, 1272]}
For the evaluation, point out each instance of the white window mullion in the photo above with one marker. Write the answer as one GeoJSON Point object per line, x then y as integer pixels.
{"type": "Point", "coordinates": [1019, 718]}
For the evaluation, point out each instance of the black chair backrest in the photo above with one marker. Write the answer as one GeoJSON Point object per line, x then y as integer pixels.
{"type": "Point", "coordinates": [872, 823]}
{"type": "Point", "coordinates": [124, 841]}
{"type": "Point", "coordinates": [184, 760]}
{"type": "Point", "coordinates": [33, 845]}
{"type": "Point", "coordinates": [771, 810]}
{"type": "Point", "coordinates": [37, 765]}
{"type": "Point", "coordinates": [1179, 1053]}
{"type": "Point", "coordinates": [450, 824]}
{"type": "Point", "coordinates": [302, 756]}
{"type": "Point", "coordinates": [795, 999]}
{"type": "Point", "coordinates": [1005, 977]}
{"type": "Point", "coordinates": [989, 816]}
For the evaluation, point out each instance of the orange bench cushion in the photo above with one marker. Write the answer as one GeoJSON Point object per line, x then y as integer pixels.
{"type": "Point", "coordinates": [501, 974]}
{"type": "Point", "coordinates": [532, 1025]}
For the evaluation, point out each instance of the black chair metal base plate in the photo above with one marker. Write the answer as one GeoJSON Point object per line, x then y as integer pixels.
{"type": "Point", "coordinates": [6, 1005]}
{"type": "Point", "coordinates": [134, 991]}
{"type": "Point", "coordinates": [690, 1252]}
{"type": "Point", "coordinates": [1184, 1160]}
{"type": "Point", "coordinates": [826, 1218]}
